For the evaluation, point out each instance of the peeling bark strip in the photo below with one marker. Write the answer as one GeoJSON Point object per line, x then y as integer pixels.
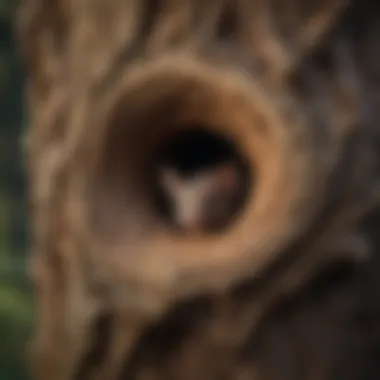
{"type": "Point", "coordinates": [288, 90]}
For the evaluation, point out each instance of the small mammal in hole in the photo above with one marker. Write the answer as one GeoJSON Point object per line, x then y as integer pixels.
{"type": "Point", "coordinates": [205, 200]}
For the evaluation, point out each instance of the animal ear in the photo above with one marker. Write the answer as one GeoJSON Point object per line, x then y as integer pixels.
{"type": "Point", "coordinates": [227, 176]}
{"type": "Point", "coordinates": [282, 32]}
{"type": "Point", "coordinates": [169, 179]}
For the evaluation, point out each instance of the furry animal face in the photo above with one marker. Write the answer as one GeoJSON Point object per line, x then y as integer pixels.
{"type": "Point", "coordinates": [203, 200]}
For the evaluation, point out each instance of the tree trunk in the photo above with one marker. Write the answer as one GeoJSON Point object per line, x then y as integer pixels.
{"type": "Point", "coordinates": [286, 91]}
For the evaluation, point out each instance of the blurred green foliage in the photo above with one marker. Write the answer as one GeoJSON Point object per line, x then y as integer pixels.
{"type": "Point", "coordinates": [16, 313]}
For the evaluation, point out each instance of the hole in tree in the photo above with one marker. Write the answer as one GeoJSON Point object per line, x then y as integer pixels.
{"type": "Point", "coordinates": [201, 181]}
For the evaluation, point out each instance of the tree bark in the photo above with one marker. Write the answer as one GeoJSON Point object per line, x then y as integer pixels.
{"type": "Point", "coordinates": [290, 289]}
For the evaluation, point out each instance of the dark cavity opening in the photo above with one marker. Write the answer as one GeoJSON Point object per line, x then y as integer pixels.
{"type": "Point", "coordinates": [196, 156]}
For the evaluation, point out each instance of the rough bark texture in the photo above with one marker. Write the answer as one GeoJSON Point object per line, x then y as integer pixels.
{"type": "Point", "coordinates": [291, 290]}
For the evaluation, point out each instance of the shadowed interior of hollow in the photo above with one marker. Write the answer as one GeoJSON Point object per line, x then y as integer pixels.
{"type": "Point", "coordinates": [129, 192]}
{"type": "Point", "coordinates": [192, 150]}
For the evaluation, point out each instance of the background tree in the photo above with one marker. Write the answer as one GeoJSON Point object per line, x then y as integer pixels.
{"type": "Point", "coordinates": [15, 295]}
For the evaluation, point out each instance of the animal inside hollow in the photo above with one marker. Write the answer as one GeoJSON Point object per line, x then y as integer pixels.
{"type": "Point", "coordinates": [205, 200]}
